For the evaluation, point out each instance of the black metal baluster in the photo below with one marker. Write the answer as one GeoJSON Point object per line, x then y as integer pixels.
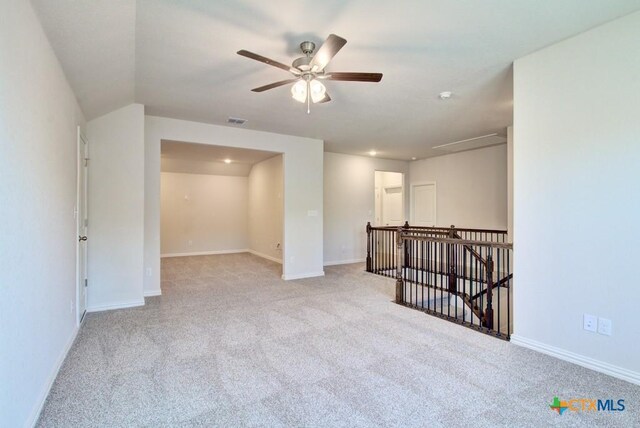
{"type": "Point", "coordinates": [498, 288]}
{"type": "Point", "coordinates": [441, 277]}
{"type": "Point", "coordinates": [377, 252]}
{"type": "Point", "coordinates": [410, 274]}
{"type": "Point", "coordinates": [389, 251]}
{"type": "Point", "coordinates": [464, 286]}
{"type": "Point", "coordinates": [429, 280]}
{"type": "Point", "coordinates": [422, 270]}
{"type": "Point", "coordinates": [508, 296]}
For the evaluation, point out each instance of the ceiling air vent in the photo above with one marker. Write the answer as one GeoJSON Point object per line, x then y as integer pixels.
{"type": "Point", "coordinates": [473, 143]}
{"type": "Point", "coordinates": [236, 121]}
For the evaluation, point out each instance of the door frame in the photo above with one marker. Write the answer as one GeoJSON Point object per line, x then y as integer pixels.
{"type": "Point", "coordinates": [382, 189]}
{"type": "Point", "coordinates": [412, 200]}
{"type": "Point", "coordinates": [82, 156]}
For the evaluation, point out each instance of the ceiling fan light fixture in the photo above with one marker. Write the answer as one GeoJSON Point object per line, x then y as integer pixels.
{"type": "Point", "coordinates": [299, 91]}
{"type": "Point", "coordinates": [309, 70]}
{"type": "Point", "coordinates": [318, 90]}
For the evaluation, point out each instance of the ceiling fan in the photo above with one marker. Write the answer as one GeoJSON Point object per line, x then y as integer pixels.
{"type": "Point", "coordinates": [309, 71]}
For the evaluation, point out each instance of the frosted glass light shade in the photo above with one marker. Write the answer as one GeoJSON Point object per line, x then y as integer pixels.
{"type": "Point", "coordinates": [299, 91]}
{"type": "Point", "coordinates": [318, 91]}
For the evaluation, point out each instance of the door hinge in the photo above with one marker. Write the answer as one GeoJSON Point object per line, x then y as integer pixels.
{"type": "Point", "coordinates": [86, 282]}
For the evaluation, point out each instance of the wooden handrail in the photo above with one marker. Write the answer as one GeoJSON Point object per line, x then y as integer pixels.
{"type": "Point", "coordinates": [408, 226]}
{"type": "Point", "coordinates": [473, 252]}
{"type": "Point", "coordinates": [497, 284]}
{"type": "Point", "coordinates": [438, 229]}
{"type": "Point", "coordinates": [409, 235]}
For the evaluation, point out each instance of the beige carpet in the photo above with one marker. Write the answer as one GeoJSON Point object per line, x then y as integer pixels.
{"type": "Point", "coordinates": [231, 344]}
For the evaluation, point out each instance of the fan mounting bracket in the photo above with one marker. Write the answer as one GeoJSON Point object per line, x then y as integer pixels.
{"type": "Point", "coordinates": [307, 48]}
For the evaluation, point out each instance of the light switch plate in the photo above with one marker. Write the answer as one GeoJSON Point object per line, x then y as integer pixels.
{"type": "Point", "coordinates": [605, 326]}
{"type": "Point", "coordinates": [590, 323]}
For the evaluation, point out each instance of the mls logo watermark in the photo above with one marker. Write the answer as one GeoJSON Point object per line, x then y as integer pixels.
{"type": "Point", "coordinates": [587, 405]}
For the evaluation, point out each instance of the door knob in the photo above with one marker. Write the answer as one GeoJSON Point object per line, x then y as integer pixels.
{"type": "Point", "coordinates": [82, 238]}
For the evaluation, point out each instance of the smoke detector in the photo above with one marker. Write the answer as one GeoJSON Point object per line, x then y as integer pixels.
{"type": "Point", "coordinates": [445, 95]}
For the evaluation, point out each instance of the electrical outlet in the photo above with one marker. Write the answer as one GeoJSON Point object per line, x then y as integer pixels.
{"type": "Point", "coordinates": [590, 322]}
{"type": "Point", "coordinates": [148, 271]}
{"type": "Point", "coordinates": [604, 326]}
{"type": "Point", "coordinates": [190, 243]}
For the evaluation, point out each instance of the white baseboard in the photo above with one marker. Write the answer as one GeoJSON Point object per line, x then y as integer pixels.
{"type": "Point", "coordinates": [151, 293]}
{"type": "Point", "coordinates": [264, 256]}
{"type": "Point", "coordinates": [44, 393]}
{"type": "Point", "coordinates": [302, 275]}
{"type": "Point", "coordinates": [204, 253]}
{"type": "Point", "coordinates": [344, 262]}
{"type": "Point", "coordinates": [581, 360]}
{"type": "Point", "coordinates": [111, 306]}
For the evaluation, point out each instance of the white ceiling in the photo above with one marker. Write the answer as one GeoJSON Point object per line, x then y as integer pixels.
{"type": "Point", "coordinates": [177, 156]}
{"type": "Point", "coordinates": [178, 57]}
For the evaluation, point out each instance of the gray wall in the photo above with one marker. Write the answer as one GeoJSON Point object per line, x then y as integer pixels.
{"type": "Point", "coordinates": [38, 142]}
{"type": "Point", "coordinates": [577, 171]}
{"type": "Point", "coordinates": [116, 209]}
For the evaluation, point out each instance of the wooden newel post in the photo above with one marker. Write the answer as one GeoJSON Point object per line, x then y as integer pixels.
{"type": "Point", "coordinates": [399, 281]}
{"type": "Point", "coordinates": [369, 247]}
{"type": "Point", "coordinates": [451, 251]}
{"type": "Point", "coordinates": [488, 314]}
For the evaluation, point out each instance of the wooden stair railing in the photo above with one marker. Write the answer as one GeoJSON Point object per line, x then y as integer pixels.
{"type": "Point", "coordinates": [446, 262]}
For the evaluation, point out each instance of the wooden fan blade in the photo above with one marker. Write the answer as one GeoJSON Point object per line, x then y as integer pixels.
{"type": "Point", "coordinates": [355, 77]}
{"type": "Point", "coordinates": [268, 61]}
{"type": "Point", "coordinates": [273, 85]}
{"type": "Point", "coordinates": [328, 50]}
{"type": "Point", "coordinates": [326, 98]}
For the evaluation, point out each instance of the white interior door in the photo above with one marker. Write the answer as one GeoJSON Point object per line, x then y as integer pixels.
{"type": "Point", "coordinates": [423, 204]}
{"type": "Point", "coordinates": [392, 212]}
{"type": "Point", "coordinates": [82, 221]}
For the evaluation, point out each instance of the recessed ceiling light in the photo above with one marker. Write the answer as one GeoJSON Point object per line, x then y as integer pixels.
{"type": "Point", "coordinates": [227, 161]}
{"type": "Point", "coordinates": [414, 158]}
{"type": "Point", "coordinates": [445, 95]}
{"type": "Point", "coordinates": [373, 153]}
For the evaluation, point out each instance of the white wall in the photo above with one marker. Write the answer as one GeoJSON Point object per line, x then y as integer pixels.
{"type": "Point", "coordinates": [303, 158]}
{"type": "Point", "coordinates": [471, 187]}
{"type": "Point", "coordinates": [577, 202]}
{"type": "Point", "coordinates": [116, 209]}
{"type": "Point", "coordinates": [203, 213]}
{"type": "Point", "coordinates": [266, 208]}
{"type": "Point", "coordinates": [38, 119]}
{"type": "Point", "coordinates": [152, 168]}
{"type": "Point", "coordinates": [349, 203]}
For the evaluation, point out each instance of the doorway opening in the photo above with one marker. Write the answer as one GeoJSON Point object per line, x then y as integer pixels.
{"type": "Point", "coordinates": [389, 198]}
{"type": "Point", "coordinates": [220, 200]}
